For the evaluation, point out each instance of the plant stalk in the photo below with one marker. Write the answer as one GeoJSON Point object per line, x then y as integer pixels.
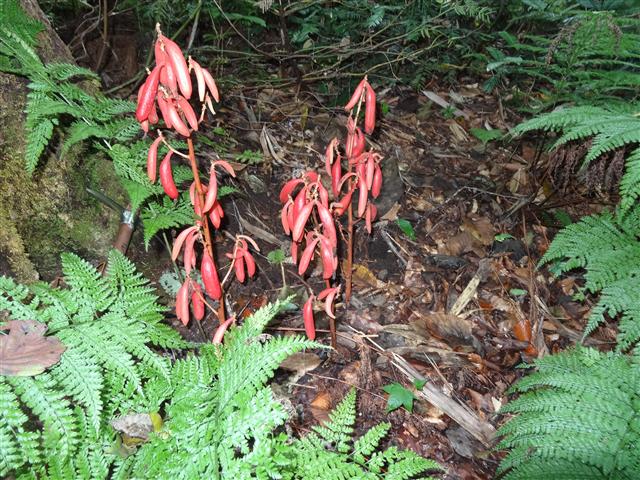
{"type": "Point", "coordinates": [206, 232]}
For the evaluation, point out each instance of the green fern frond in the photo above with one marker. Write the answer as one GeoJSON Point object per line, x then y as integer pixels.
{"type": "Point", "coordinates": [575, 419]}
{"type": "Point", "coordinates": [608, 247]}
{"type": "Point", "coordinates": [168, 214]}
{"type": "Point", "coordinates": [630, 183]}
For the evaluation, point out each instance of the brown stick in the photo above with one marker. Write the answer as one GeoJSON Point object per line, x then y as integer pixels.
{"type": "Point", "coordinates": [206, 233]}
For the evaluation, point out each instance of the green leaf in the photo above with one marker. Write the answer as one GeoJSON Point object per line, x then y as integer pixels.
{"type": "Point", "coordinates": [276, 256]}
{"type": "Point", "coordinates": [501, 237]}
{"type": "Point", "coordinates": [419, 384]}
{"type": "Point", "coordinates": [406, 228]}
{"type": "Point", "coordinates": [517, 292]}
{"type": "Point", "coordinates": [399, 397]}
{"type": "Point", "coordinates": [486, 136]}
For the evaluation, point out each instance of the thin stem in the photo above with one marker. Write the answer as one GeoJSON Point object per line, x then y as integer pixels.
{"type": "Point", "coordinates": [206, 233]}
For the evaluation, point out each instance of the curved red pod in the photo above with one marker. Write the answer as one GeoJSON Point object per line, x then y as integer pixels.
{"type": "Point", "coordinates": [215, 218]}
{"type": "Point", "coordinates": [294, 251]}
{"type": "Point", "coordinates": [199, 78]}
{"type": "Point", "coordinates": [370, 167]}
{"type": "Point", "coordinates": [180, 239]}
{"type": "Point", "coordinates": [212, 192]}
{"type": "Point", "coordinates": [288, 189]}
{"type": "Point", "coordinates": [307, 255]}
{"type": "Point", "coordinates": [368, 218]}
{"type": "Point", "coordinates": [182, 302]}
{"type": "Point", "coordinates": [221, 330]}
{"type": "Point", "coordinates": [344, 202]}
{"type": "Point", "coordinates": [168, 79]}
{"type": "Point", "coordinates": [210, 278]}
{"type": "Point", "coordinates": [323, 194]}
{"type": "Point", "coordinates": [336, 176]}
{"type": "Point", "coordinates": [363, 195]}
{"type": "Point", "coordinates": [238, 265]}
{"type": "Point", "coordinates": [250, 263]}
{"type": "Point", "coordinates": [376, 185]}
{"type": "Point", "coordinates": [189, 255]}
{"type": "Point", "coordinates": [286, 216]}
{"type": "Point", "coordinates": [177, 123]}
{"type": "Point", "coordinates": [163, 104]}
{"type": "Point", "coordinates": [166, 177]}
{"type": "Point", "coordinates": [370, 110]}
{"type": "Point", "coordinates": [188, 112]}
{"type": "Point", "coordinates": [328, 259]}
{"type": "Point", "coordinates": [307, 317]}
{"type": "Point", "coordinates": [153, 115]}
{"type": "Point", "coordinates": [152, 160]}
{"type": "Point", "coordinates": [176, 60]}
{"type": "Point", "coordinates": [298, 204]}
{"type": "Point", "coordinates": [359, 144]}
{"type": "Point", "coordinates": [328, 225]}
{"type": "Point", "coordinates": [355, 98]}
{"type": "Point", "coordinates": [211, 84]}
{"type": "Point", "coordinates": [148, 94]}
{"type": "Point", "coordinates": [301, 221]}
{"type": "Point", "coordinates": [197, 304]}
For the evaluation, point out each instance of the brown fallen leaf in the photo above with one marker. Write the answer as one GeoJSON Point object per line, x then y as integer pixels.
{"type": "Point", "coordinates": [25, 351]}
{"type": "Point", "coordinates": [320, 407]}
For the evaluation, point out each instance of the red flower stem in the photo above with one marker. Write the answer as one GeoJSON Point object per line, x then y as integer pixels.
{"type": "Point", "coordinates": [206, 233]}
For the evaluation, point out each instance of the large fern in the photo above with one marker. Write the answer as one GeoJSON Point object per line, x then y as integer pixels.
{"type": "Point", "coordinates": [107, 324]}
{"type": "Point", "coordinates": [330, 452]}
{"type": "Point", "coordinates": [55, 97]}
{"type": "Point", "coordinates": [578, 418]}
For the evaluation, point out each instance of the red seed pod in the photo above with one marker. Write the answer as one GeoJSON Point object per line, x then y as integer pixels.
{"type": "Point", "coordinates": [359, 144]}
{"type": "Point", "coordinates": [376, 185]}
{"type": "Point", "coordinates": [216, 219]}
{"type": "Point", "coordinates": [221, 330]}
{"type": "Point", "coordinates": [311, 176]}
{"type": "Point", "coordinates": [307, 255]}
{"type": "Point", "coordinates": [363, 195]}
{"type": "Point", "coordinates": [285, 216]}
{"type": "Point", "coordinates": [180, 239]}
{"type": "Point", "coordinates": [355, 98]}
{"type": "Point", "coordinates": [250, 263]}
{"type": "Point", "coordinates": [166, 177]}
{"type": "Point", "coordinates": [197, 304]}
{"type": "Point", "coordinates": [329, 154]}
{"type": "Point", "coordinates": [294, 251]}
{"type": "Point", "coordinates": [153, 115]}
{"type": "Point", "coordinates": [336, 176]}
{"type": "Point", "coordinates": [323, 194]}
{"type": "Point", "coordinates": [211, 84]}
{"type": "Point", "coordinates": [145, 126]}
{"type": "Point", "coordinates": [238, 265]}
{"type": "Point", "coordinates": [182, 302]}
{"type": "Point", "coordinates": [343, 204]}
{"type": "Point", "coordinates": [199, 78]}
{"type": "Point", "coordinates": [174, 117]}
{"type": "Point", "coordinates": [226, 165]}
{"type": "Point", "coordinates": [189, 256]}
{"type": "Point", "coordinates": [168, 78]}
{"type": "Point", "coordinates": [367, 218]}
{"type": "Point", "coordinates": [189, 114]}
{"type": "Point", "coordinates": [210, 276]}
{"type": "Point", "coordinates": [178, 63]}
{"type": "Point", "coordinates": [370, 110]}
{"type": "Point", "coordinates": [370, 167]}
{"type": "Point", "coordinates": [212, 193]}
{"type": "Point", "coordinates": [329, 295]}
{"type": "Point", "coordinates": [152, 160]}
{"type": "Point", "coordinates": [301, 221]}
{"type": "Point", "coordinates": [307, 316]}
{"type": "Point", "coordinates": [163, 104]}
{"type": "Point", "coordinates": [328, 225]}
{"type": "Point", "coordinates": [328, 259]}
{"type": "Point", "coordinates": [299, 203]}
{"type": "Point", "coordinates": [288, 189]}
{"type": "Point", "coordinates": [148, 94]}
{"type": "Point", "coordinates": [350, 145]}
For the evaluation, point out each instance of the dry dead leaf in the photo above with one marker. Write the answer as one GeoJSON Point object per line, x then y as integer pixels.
{"type": "Point", "coordinates": [25, 351]}
{"type": "Point", "coordinates": [320, 407]}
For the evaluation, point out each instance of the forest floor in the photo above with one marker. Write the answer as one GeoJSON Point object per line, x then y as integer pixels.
{"type": "Point", "coordinates": [456, 294]}
{"type": "Point", "coordinates": [447, 285]}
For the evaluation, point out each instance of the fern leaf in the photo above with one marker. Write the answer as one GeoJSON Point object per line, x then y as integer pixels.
{"type": "Point", "coordinates": [37, 139]}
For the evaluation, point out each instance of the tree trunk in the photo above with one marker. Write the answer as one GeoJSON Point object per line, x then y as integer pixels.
{"type": "Point", "coordinates": [50, 212]}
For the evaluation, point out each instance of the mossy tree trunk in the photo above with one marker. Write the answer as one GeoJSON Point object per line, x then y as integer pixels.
{"type": "Point", "coordinates": [50, 212]}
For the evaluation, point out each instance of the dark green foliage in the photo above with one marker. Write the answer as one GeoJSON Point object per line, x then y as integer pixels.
{"type": "Point", "coordinates": [583, 57]}
{"type": "Point", "coordinates": [578, 417]}
{"type": "Point", "coordinates": [55, 98]}
{"type": "Point", "coordinates": [108, 324]}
